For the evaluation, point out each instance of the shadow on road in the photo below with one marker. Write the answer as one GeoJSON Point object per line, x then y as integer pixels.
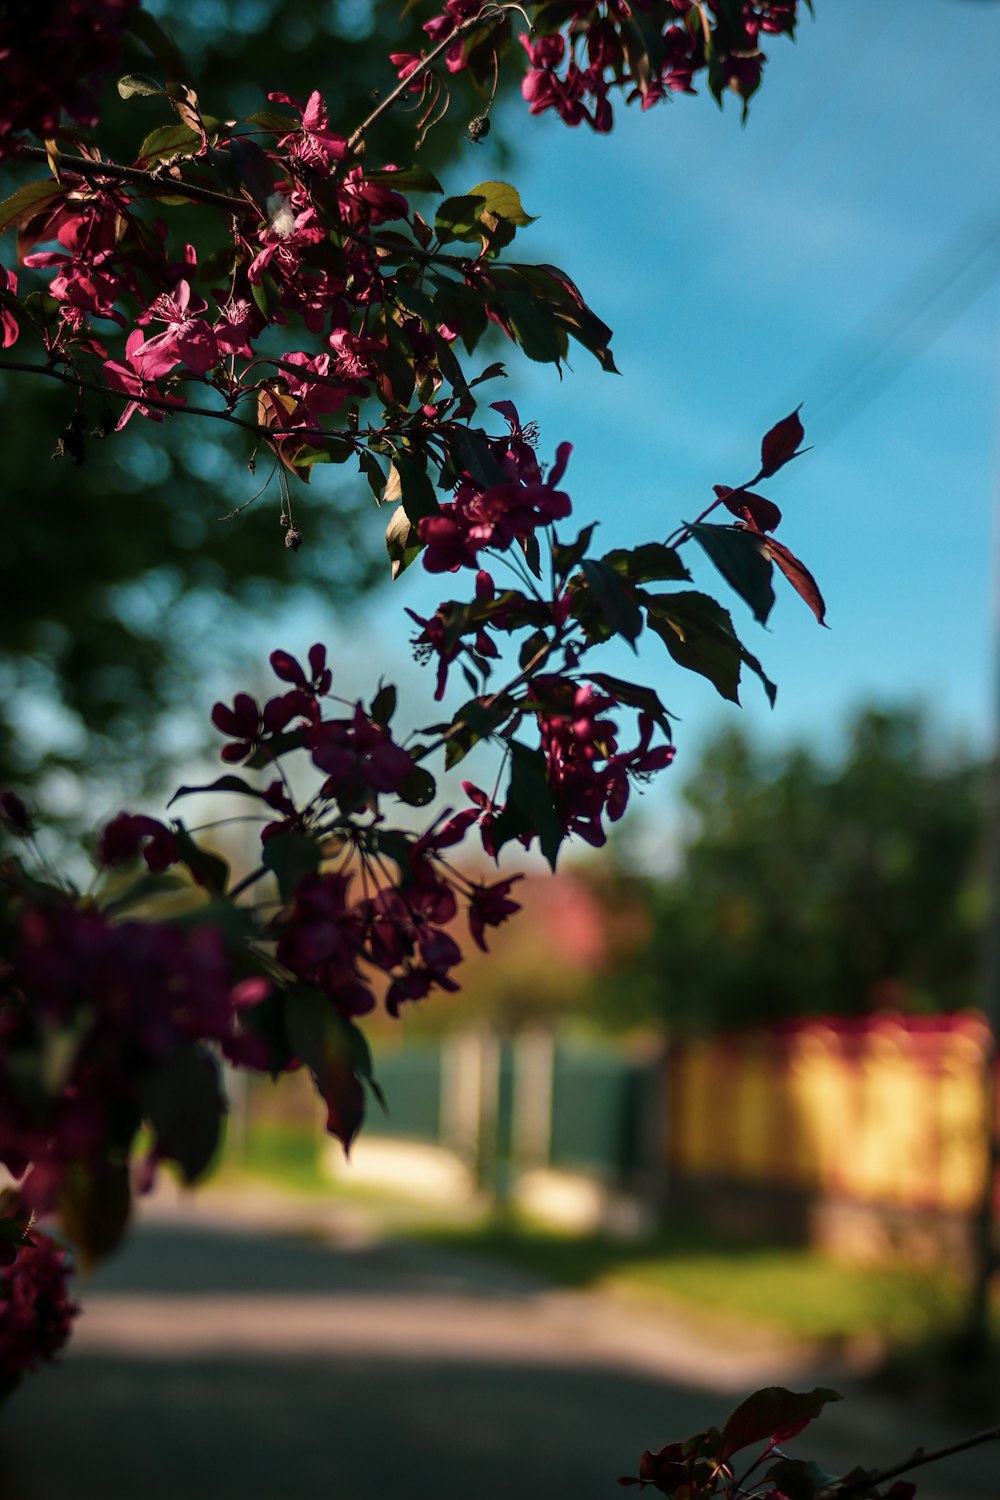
{"type": "Point", "coordinates": [214, 1364]}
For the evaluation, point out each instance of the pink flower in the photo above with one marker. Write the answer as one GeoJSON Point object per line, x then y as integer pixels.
{"type": "Point", "coordinates": [8, 323]}
{"type": "Point", "coordinates": [359, 756]}
{"type": "Point", "coordinates": [129, 834]}
{"type": "Point", "coordinates": [187, 339]}
{"type": "Point", "coordinates": [126, 379]}
{"type": "Point", "coordinates": [315, 145]}
{"type": "Point", "coordinates": [489, 906]}
{"type": "Point", "coordinates": [36, 1314]}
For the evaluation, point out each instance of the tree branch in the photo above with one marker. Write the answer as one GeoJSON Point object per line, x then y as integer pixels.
{"type": "Point", "coordinates": [139, 177]}
{"type": "Point", "coordinates": [490, 13]}
{"type": "Point", "coordinates": [989, 1435]}
{"type": "Point", "coordinates": [71, 378]}
{"type": "Point", "coordinates": [176, 187]}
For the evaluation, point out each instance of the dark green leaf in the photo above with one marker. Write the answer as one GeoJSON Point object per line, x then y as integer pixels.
{"type": "Point", "coordinates": [554, 288]}
{"type": "Point", "coordinates": [649, 37]}
{"type": "Point", "coordinates": [635, 696]}
{"type": "Point", "coordinates": [93, 1204]}
{"type": "Point", "coordinates": [461, 307]}
{"type": "Point", "coordinates": [458, 219]}
{"type": "Point", "coordinates": [13, 1231]}
{"type": "Point", "coordinates": [266, 1020]}
{"type": "Point", "coordinates": [329, 450]}
{"type": "Point", "coordinates": [384, 704]}
{"type": "Point", "coordinates": [395, 380]}
{"type": "Point", "coordinates": [474, 721]}
{"type": "Point", "coordinates": [416, 490]}
{"type": "Point", "coordinates": [253, 168]}
{"type": "Point", "coordinates": [454, 374]}
{"type": "Point", "coordinates": [699, 635]}
{"type": "Point", "coordinates": [169, 141]}
{"type": "Point", "coordinates": [142, 24]}
{"type": "Point", "coordinates": [652, 562]}
{"type": "Point", "coordinates": [530, 647]}
{"type": "Point", "coordinates": [477, 459]}
{"type": "Point", "coordinates": [228, 783]}
{"type": "Point", "coordinates": [132, 84]}
{"type": "Point", "coordinates": [328, 1045]}
{"type": "Point", "coordinates": [145, 888]}
{"type": "Point", "coordinates": [418, 789]}
{"type": "Point", "coordinates": [373, 472]}
{"type": "Point", "coordinates": [532, 554]}
{"type": "Point", "coordinates": [617, 604]}
{"type": "Point", "coordinates": [529, 805]}
{"type": "Point", "coordinates": [494, 371]}
{"type": "Point", "coordinates": [266, 295]}
{"type": "Point", "coordinates": [269, 119]}
{"type": "Point", "coordinates": [406, 179]}
{"type": "Point", "coordinates": [800, 1479]}
{"type": "Point", "coordinates": [411, 299]}
{"type": "Point", "coordinates": [396, 844]}
{"type": "Point", "coordinates": [535, 328]}
{"type": "Point", "coordinates": [566, 555]}
{"type": "Point", "coordinates": [740, 558]}
{"type": "Point", "coordinates": [290, 856]}
{"type": "Point", "coordinates": [275, 746]}
{"type": "Point", "coordinates": [183, 1102]}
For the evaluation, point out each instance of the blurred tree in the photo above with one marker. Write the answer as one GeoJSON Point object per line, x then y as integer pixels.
{"type": "Point", "coordinates": [126, 561]}
{"type": "Point", "coordinates": [809, 888]}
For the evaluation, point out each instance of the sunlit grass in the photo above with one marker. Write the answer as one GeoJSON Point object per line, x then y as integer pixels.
{"type": "Point", "coordinates": [713, 1279]}
{"type": "Point", "coordinates": [277, 1153]}
{"type": "Point", "coordinates": [796, 1292]}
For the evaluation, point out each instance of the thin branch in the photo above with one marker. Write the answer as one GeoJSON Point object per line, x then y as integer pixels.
{"type": "Point", "coordinates": [990, 1435]}
{"type": "Point", "coordinates": [489, 13]}
{"type": "Point", "coordinates": [156, 184]}
{"type": "Point", "coordinates": [69, 377]}
{"type": "Point", "coordinates": [683, 532]}
{"type": "Point", "coordinates": [176, 187]}
{"type": "Point", "coordinates": [274, 468]}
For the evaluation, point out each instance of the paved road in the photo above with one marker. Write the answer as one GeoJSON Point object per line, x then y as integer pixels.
{"type": "Point", "coordinates": [216, 1360]}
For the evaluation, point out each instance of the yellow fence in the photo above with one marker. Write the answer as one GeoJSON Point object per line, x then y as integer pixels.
{"type": "Point", "coordinates": [887, 1110]}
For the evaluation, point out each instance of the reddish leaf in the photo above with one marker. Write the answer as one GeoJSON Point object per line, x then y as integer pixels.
{"type": "Point", "coordinates": [345, 1101]}
{"type": "Point", "coordinates": [798, 576]}
{"type": "Point", "coordinates": [781, 444]}
{"type": "Point", "coordinates": [761, 513]}
{"type": "Point", "coordinates": [771, 1414]}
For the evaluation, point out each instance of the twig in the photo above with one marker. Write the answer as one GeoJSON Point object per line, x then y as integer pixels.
{"type": "Point", "coordinates": [490, 12]}
{"type": "Point", "coordinates": [989, 1435]}
{"type": "Point", "coordinates": [161, 186]}
{"type": "Point", "coordinates": [70, 377]}
{"type": "Point", "coordinates": [683, 532]}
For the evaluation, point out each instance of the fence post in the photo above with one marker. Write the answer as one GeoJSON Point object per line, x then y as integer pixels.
{"type": "Point", "coordinates": [534, 1061]}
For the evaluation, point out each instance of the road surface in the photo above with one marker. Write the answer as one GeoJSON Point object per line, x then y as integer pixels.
{"type": "Point", "coordinates": [217, 1359]}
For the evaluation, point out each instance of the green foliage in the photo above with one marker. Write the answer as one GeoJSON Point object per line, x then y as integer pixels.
{"type": "Point", "coordinates": [808, 889]}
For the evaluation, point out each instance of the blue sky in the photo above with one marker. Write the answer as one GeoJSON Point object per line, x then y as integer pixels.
{"type": "Point", "coordinates": [745, 271]}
